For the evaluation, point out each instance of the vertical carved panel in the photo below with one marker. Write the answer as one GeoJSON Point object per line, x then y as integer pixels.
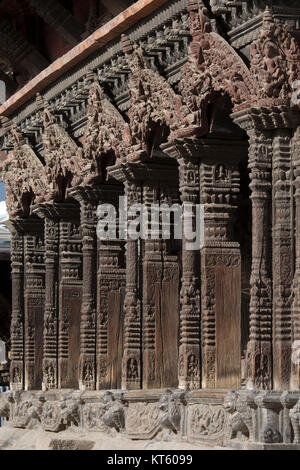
{"type": "Point", "coordinates": [220, 276]}
{"type": "Point", "coordinates": [160, 309]}
{"type": "Point", "coordinates": [283, 255]}
{"type": "Point", "coordinates": [152, 274]}
{"type": "Point", "coordinates": [111, 289]}
{"type": "Point", "coordinates": [17, 320]}
{"type": "Point", "coordinates": [189, 350]}
{"type": "Point", "coordinates": [69, 302]}
{"type": "Point", "coordinates": [51, 303]}
{"type": "Point", "coordinates": [259, 350]}
{"type": "Point", "coordinates": [34, 250]}
{"type": "Point", "coordinates": [295, 363]}
{"type": "Point", "coordinates": [87, 363]}
{"type": "Point", "coordinates": [132, 354]}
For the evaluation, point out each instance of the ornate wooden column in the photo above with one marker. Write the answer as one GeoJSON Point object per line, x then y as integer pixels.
{"type": "Point", "coordinates": [101, 308]}
{"type": "Point", "coordinates": [189, 365]}
{"type": "Point", "coordinates": [209, 353]}
{"type": "Point", "coordinates": [132, 353]}
{"type": "Point", "coordinates": [34, 294]}
{"type": "Point", "coordinates": [17, 320]}
{"type": "Point", "coordinates": [283, 258]}
{"type": "Point", "coordinates": [295, 356]}
{"type": "Point", "coordinates": [259, 350]}
{"type": "Point", "coordinates": [50, 344]}
{"type": "Point", "coordinates": [88, 199]}
{"type": "Point", "coordinates": [132, 345]}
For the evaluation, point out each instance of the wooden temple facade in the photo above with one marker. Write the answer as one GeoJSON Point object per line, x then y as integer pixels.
{"type": "Point", "coordinates": [172, 102]}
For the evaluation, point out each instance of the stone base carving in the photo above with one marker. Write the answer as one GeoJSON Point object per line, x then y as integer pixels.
{"type": "Point", "coordinates": [241, 419]}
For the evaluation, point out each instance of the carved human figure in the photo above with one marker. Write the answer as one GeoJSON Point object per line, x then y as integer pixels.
{"type": "Point", "coordinates": [132, 368]}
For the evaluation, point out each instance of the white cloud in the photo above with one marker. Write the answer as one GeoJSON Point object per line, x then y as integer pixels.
{"type": "Point", "coordinates": [3, 212]}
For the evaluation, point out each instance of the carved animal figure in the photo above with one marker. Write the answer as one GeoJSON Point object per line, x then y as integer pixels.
{"type": "Point", "coordinates": [171, 404]}
{"type": "Point", "coordinates": [295, 420]}
{"type": "Point", "coordinates": [270, 435]}
{"type": "Point", "coordinates": [241, 420]}
{"type": "Point", "coordinates": [113, 406]}
{"type": "Point", "coordinates": [5, 405]}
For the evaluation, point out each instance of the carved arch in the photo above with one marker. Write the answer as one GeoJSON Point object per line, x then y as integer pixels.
{"type": "Point", "coordinates": [153, 103]}
{"type": "Point", "coordinates": [24, 176]}
{"type": "Point", "coordinates": [103, 135]}
{"type": "Point", "coordinates": [213, 68]}
{"type": "Point", "coordinates": [61, 157]}
{"type": "Point", "coordinates": [275, 61]}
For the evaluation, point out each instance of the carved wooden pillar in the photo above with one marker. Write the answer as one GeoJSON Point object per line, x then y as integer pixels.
{"type": "Point", "coordinates": [17, 320]}
{"type": "Point", "coordinates": [152, 273]}
{"type": "Point", "coordinates": [34, 252]}
{"type": "Point", "coordinates": [259, 350]}
{"type": "Point", "coordinates": [88, 199]}
{"type": "Point", "coordinates": [190, 310]}
{"type": "Point", "coordinates": [70, 288]}
{"type": "Point", "coordinates": [132, 353]}
{"type": "Point", "coordinates": [283, 258]}
{"type": "Point", "coordinates": [214, 321]}
{"type": "Point", "coordinates": [189, 364]}
{"type": "Point", "coordinates": [50, 345]}
{"type": "Point", "coordinates": [295, 356]}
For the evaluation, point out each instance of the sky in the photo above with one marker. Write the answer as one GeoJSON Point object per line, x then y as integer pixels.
{"type": "Point", "coordinates": [3, 211]}
{"type": "Point", "coordinates": [2, 192]}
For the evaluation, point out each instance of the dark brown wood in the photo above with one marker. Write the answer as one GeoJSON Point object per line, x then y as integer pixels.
{"type": "Point", "coordinates": [228, 327]}
{"type": "Point", "coordinates": [167, 334]}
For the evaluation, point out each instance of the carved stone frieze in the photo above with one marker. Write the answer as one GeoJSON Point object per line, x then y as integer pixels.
{"type": "Point", "coordinates": [106, 416]}
{"type": "Point", "coordinates": [207, 423]}
{"type": "Point", "coordinates": [59, 415]}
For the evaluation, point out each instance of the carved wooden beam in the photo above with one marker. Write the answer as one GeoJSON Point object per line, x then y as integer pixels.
{"type": "Point", "coordinates": [19, 50]}
{"type": "Point", "coordinates": [55, 15]}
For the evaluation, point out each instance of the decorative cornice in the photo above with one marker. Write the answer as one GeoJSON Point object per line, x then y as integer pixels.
{"type": "Point", "coordinates": [97, 40]}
